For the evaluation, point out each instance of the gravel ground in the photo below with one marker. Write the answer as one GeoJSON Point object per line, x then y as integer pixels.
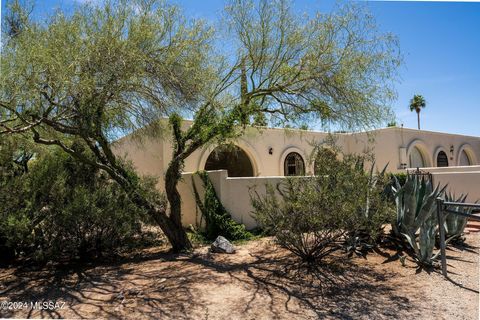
{"type": "Point", "coordinates": [258, 282]}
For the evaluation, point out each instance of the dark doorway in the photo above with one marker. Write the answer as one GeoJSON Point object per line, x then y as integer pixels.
{"type": "Point", "coordinates": [230, 158]}
{"type": "Point", "coordinates": [442, 159]}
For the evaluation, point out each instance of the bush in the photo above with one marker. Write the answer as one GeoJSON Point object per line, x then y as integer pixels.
{"type": "Point", "coordinates": [309, 218]}
{"type": "Point", "coordinates": [67, 210]}
{"type": "Point", "coordinates": [218, 222]}
{"type": "Point", "coordinates": [372, 208]}
{"type": "Point", "coordinates": [341, 207]}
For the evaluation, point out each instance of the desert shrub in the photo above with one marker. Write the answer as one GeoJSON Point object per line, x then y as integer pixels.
{"type": "Point", "coordinates": [218, 222]}
{"type": "Point", "coordinates": [341, 207]}
{"type": "Point", "coordinates": [306, 215]}
{"type": "Point", "coordinates": [66, 210]}
{"type": "Point", "coordinates": [371, 207]}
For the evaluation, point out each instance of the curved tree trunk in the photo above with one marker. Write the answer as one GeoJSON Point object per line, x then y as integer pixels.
{"type": "Point", "coordinates": [177, 235]}
{"type": "Point", "coordinates": [171, 225]}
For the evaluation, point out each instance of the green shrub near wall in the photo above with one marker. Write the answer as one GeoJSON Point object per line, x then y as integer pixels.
{"type": "Point", "coordinates": [218, 222]}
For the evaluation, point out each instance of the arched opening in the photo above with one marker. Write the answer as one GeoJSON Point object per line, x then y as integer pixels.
{"type": "Point", "coordinates": [294, 165]}
{"type": "Point", "coordinates": [230, 158]}
{"type": "Point", "coordinates": [464, 159]}
{"type": "Point", "coordinates": [442, 159]}
{"type": "Point", "coordinates": [416, 159]}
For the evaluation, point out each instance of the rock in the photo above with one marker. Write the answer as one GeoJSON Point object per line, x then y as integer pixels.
{"type": "Point", "coordinates": [222, 245]}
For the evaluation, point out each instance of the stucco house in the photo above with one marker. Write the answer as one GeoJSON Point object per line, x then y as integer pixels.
{"type": "Point", "coordinates": [281, 152]}
{"type": "Point", "coordinates": [267, 155]}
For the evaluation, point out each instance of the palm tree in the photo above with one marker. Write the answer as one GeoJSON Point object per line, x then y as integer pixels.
{"type": "Point", "coordinates": [417, 103]}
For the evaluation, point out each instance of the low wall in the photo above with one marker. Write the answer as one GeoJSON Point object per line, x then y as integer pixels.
{"type": "Point", "coordinates": [234, 194]}
{"type": "Point", "coordinates": [448, 169]}
{"type": "Point", "coordinates": [460, 180]}
{"type": "Point", "coordinates": [460, 183]}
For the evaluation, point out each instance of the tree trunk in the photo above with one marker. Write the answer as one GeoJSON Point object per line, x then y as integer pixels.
{"type": "Point", "coordinates": [175, 233]}
{"type": "Point", "coordinates": [178, 237]}
{"type": "Point", "coordinates": [418, 119]}
{"type": "Point", "coordinates": [171, 227]}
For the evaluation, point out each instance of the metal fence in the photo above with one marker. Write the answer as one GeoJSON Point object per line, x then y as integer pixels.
{"type": "Point", "coordinates": [425, 175]}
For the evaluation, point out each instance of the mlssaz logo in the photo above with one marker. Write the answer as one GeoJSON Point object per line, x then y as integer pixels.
{"type": "Point", "coordinates": [47, 305]}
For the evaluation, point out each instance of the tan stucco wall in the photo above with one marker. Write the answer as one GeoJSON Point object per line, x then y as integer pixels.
{"type": "Point", "coordinates": [234, 194]}
{"type": "Point", "coordinates": [467, 183]}
{"type": "Point", "coordinates": [389, 145]}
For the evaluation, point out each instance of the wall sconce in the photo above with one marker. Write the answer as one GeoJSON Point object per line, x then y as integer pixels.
{"type": "Point", "coordinates": [451, 152]}
{"type": "Point", "coordinates": [270, 150]}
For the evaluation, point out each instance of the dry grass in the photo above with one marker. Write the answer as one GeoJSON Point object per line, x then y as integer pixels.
{"type": "Point", "coordinates": [258, 282]}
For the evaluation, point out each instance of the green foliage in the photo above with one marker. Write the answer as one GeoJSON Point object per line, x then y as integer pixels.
{"type": "Point", "coordinates": [305, 216]}
{"type": "Point", "coordinates": [392, 124]}
{"type": "Point", "coordinates": [400, 177]}
{"type": "Point", "coordinates": [112, 67]}
{"type": "Point", "coordinates": [67, 210]}
{"type": "Point", "coordinates": [373, 209]}
{"type": "Point", "coordinates": [218, 221]}
{"type": "Point", "coordinates": [455, 224]}
{"type": "Point", "coordinates": [341, 207]}
{"type": "Point", "coordinates": [416, 219]}
{"type": "Point", "coordinates": [417, 103]}
{"type": "Point", "coordinates": [393, 179]}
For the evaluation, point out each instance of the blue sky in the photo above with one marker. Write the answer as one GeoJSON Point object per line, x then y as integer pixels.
{"type": "Point", "coordinates": [440, 42]}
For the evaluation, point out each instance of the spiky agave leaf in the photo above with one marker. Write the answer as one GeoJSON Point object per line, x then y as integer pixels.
{"type": "Point", "coordinates": [416, 216]}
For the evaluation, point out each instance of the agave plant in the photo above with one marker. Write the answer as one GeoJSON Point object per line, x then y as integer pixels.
{"type": "Point", "coordinates": [454, 223]}
{"type": "Point", "coordinates": [416, 219]}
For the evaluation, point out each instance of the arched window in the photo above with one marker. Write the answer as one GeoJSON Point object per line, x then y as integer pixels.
{"type": "Point", "coordinates": [416, 159]}
{"type": "Point", "coordinates": [442, 159]}
{"type": "Point", "coordinates": [294, 165]}
{"type": "Point", "coordinates": [464, 159]}
{"type": "Point", "coordinates": [230, 158]}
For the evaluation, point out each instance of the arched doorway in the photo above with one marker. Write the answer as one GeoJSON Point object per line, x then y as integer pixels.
{"type": "Point", "coordinates": [294, 165]}
{"type": "Point", "coordinates": [442, 159]}
{"type": "Point", "coordinates": [231, 158]}
{"type": "Point", "coordinates": [416, 159]}
{"type": "Point", "coordinates": [464, 159]}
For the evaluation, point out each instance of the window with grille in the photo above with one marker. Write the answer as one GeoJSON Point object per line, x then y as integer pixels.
{"type": "Point", "coordinates": [442, 159]}
{"type": "Point", "coordinates": [294, 165]}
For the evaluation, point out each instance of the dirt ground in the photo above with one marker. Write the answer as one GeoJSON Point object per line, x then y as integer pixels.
{"type": "Point", "coordinates": [260, 281]}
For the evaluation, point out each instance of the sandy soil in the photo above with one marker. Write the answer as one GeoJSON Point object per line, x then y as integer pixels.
{"type": "Point", "coordinates": [260, 281]}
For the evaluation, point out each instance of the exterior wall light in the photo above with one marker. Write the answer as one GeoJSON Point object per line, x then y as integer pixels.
{"type": "Point", "coordinates": [451, 152]}
{"type": "Point", "coordinates": [270, 150]}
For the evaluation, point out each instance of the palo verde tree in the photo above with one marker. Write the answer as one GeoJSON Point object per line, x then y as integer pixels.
{"type": "Point", "coordinates": [114, 68]}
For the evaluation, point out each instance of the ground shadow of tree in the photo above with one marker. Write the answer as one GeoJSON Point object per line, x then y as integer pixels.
{"type": "Point", "coordinates": [162, 285]}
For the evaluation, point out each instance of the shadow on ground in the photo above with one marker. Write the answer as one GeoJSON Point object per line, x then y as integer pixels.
{"type": "Point", "coordinates": [256, 283]}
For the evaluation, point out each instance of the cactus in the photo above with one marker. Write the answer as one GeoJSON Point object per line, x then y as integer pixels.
{"type": "Point", "coordinates": [455, 224]}
{"type": "Point", "coordinates": [416, 216]}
